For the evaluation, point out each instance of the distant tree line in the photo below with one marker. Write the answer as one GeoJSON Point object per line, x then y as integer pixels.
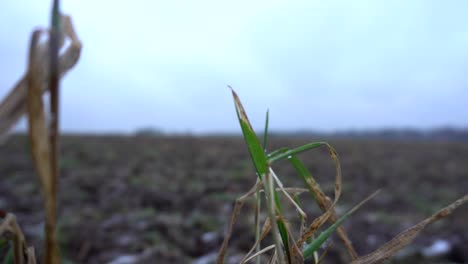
{"type": "Point", "coordinates": [439, 134]}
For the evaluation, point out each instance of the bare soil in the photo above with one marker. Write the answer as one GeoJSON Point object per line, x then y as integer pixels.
{"type": "Point", "coordinates": [170, 197]}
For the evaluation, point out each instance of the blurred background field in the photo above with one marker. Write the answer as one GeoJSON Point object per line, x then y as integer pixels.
{"type": "Point", "coordinates": [152, 156]}
{"type": "Point", "coordinates": [170, 196]}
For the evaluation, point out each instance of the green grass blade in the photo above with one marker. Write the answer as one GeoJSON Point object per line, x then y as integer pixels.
{"type": "Point", "coordinates": [265, 132]}
{"type": "Point", "coordinates": [298, 202]}
{"type": "Point", "coordinates": [281, 227]}
{"type": "Point", "coordinates": [286, 154]}
{"type": "Point", "coordinates": [277, 152]}
{"type": "Point", "coordinates": [257, 195]}
{"type": "Point", "coordinates": [3, 243]}
{"type": "Point", "coordinates": [255, 149]}
{"type": "Point", "coordinates": [259, 159]}
{"type": "Point", "coordinates": [304, 173]}
{"type": "Point", "coordinates": [55, 21]}
{"type": "Point", "coordinates": [9, 257]}
{"type": "Point", "coordinates": [285, 238]}
{"type": "Point", "coordinates": [315, 245]}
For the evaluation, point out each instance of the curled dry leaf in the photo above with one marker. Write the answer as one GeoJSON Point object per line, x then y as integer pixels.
{"type": "Point", "coordinates": [333, 218]}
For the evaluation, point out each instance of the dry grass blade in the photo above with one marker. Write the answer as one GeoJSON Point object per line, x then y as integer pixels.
{"type": "Point", "coordinates": [258, 206]}
{"type": "Point", "coordinates": [270, 247]}
{"type": "Point", "coordinates": [265, 230]}
{"type": "Point", "coordinates": [315, 225]}
{"type": "Point", "coordinates": [282, 189]}
{"type": "Point", "coordinates": [324, 253]}
{"type": "Point", "coordinates": [324, 203]}
{"type": "Point", "coordinates": [30, 256]}
{"type": "Point", "coordinates": [295, 253]}
{"type": "Point", "coordinates": [280, 236]}
{"type": "Point", "coordinates": [235, 213]}
{"type": "Point", "coordinates": [333, 218]}
{"type": "Point", "coordinates": [10, 229]}
{"type": "Point", "coordinates": [406, 237]}
{"type": "Point", "coordinates": [14, 104]}
{"type": "Point", "coordinates": [273, 258]}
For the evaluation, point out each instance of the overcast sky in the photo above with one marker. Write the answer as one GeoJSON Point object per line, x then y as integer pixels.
{"type": "Point", "coordinates": [319, 65]}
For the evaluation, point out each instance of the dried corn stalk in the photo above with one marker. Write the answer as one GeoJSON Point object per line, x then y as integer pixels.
{"type": "Point", "coordinates": [13, 105]}
{"type": "Point", "coordinates": [45, 68]}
